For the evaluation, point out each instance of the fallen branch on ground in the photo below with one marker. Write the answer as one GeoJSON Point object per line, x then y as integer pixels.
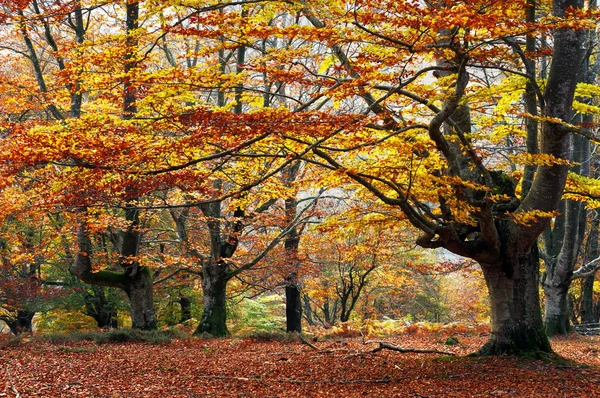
{"type": "Point", "coordinates": [296, 381]}
{"type": "Point", "coordinates": [308, 343]}
{"type": "Point", "coordinates": [10, 381]}
{"type": "Point", "coordinates": [393, 347]}
{"type": "Point", "coordinates": [390, 346]}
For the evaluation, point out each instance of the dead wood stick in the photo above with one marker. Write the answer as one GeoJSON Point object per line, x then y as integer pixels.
{"type": "Point", "coordinates": [10, 381]}
{"type": "Point", "coordinates": [295, 381]}
{"type": "Point", "coordinates": [308, 343]}
{"type": "Point", "coordinates": [393, 347]}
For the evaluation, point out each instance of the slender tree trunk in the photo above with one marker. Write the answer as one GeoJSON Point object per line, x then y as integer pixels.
{"type": "Point", "coordinates": [186, 309]}
{"type": "Point", "coordinates": [587, 298]}
{"type": "Point", "coordinates": [588, 314]}
{"type": "Point", "coordinates": [98, 307]}
{"type": "Point", "coordinates": [308, 310]}
{"type": "Point", "coordinates": [293, 308]}
{"type": "Point", "coordinates": [560, 270]}
{"type": "Point", "coordinates": [293, 303]}
{"type": "Point", "coordinates": [513, 285]}
{"type": "Point", "coordinates": [327, 314]}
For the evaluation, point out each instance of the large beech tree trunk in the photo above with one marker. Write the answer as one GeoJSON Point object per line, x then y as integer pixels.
{"type": "Point", "coordinates": [134, 280]}
{"type": "Point", "coordinates": [516, 323]}
{"type": "Point", "coordinates": [214, 290]}
{"type": "Point", "coordinates": [140, 293]}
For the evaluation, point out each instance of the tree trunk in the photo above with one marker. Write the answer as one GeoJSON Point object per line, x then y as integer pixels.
{"type": "Point", "coordinates": [556, 317]}
{"type": "Point", "coordinates": [587, 285]}
{"type": "Point", "coordinates": [214, 289]}
{"type": "Point", "coordinates": [100, 308]}
{"type": "Point", "coordinates": [513, 286]}
{"type": "Point", "coordinates": [22, 323]}
{"type": "Point", "coordinates": [293, 304]}
{"type": "Point", "coordinates": [293, 308]}
{"type": "Point", "coordinates": [141, 300]}
{"type": "Point", "coordinates": [587, 297]}
{"type": "Point", "coordinates": [308, 310]}
{"type": "Point", "coordinates": [186, 309]}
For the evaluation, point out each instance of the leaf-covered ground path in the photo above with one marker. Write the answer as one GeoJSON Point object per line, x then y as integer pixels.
{"type": "Point", "coordinates": [257, 368]}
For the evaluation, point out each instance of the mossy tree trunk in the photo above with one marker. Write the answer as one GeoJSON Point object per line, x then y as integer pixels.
{"type": "Point", "coordinates": [141, 302]}
{"type": "Point", "coordinates": [214, 290]}
{"type": "Point", "coordinates": [516, 321]}
{"type": "Point", "coordinates": [216, 272]}
{"type": "Point", "coordinates": [134, 280]}
{"type": "Point", "coordinates": [100, 307]}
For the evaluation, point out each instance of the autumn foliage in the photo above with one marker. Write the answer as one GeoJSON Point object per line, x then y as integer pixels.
{"type": "Point", "coordinates": [371, 161]}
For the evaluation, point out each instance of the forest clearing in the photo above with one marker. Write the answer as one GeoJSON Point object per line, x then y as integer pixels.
{"type": "Point", "coordinates": [285, 367]}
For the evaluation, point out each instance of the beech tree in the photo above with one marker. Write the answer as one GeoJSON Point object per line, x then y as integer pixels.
{"type": "Point", "coordinates": [445, 187]}
{"type": "Point", "coordinates": [405, 101]}
{"type": "Point", "coordinates": [146, 124]}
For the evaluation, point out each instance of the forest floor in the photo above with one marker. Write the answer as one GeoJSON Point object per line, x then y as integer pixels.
{"type": "Point", "coordinates": [259, 367]}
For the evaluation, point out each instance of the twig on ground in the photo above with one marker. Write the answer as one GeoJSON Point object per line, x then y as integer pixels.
{"type": "Point", "coordinates": [295, 381]}
{"type": "Point", "coordinates": [390, 346]}
{"type": "Point", "coordinates": [393, 347]}
{"type": "Point", "coordinates": [10, 380]}
{"type": "Point", "coordinates": [308, 343]}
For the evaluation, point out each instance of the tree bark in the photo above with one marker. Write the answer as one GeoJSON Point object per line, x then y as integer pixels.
{"type": "Point", "coordinates": [556, 317]}
{"type": "Point", "coordinates": [588, 314]}
{"type": "Point", "coordinates": [293, 304]}
{"type": "Point", "coordinates": [22, 323]}
{"type": "Point", "coordinates": [98, 307]}
{"type": "Point", "coordinates": [560, 266]}
{"type": "Point", "coordinates": [136, 281]}
{"type": "Point", "coordinates": [186, 309]}
{"type": "Point", "coordinates": [307, 311]}
{"type": "Point", "coordinates": [293, 308]}
{"type": "Point", "coordinates": [140, 293]}
{"type": "Point", "coordinates": [214, 289]}
{"type": "Point", "coordinates": [513, 287]}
